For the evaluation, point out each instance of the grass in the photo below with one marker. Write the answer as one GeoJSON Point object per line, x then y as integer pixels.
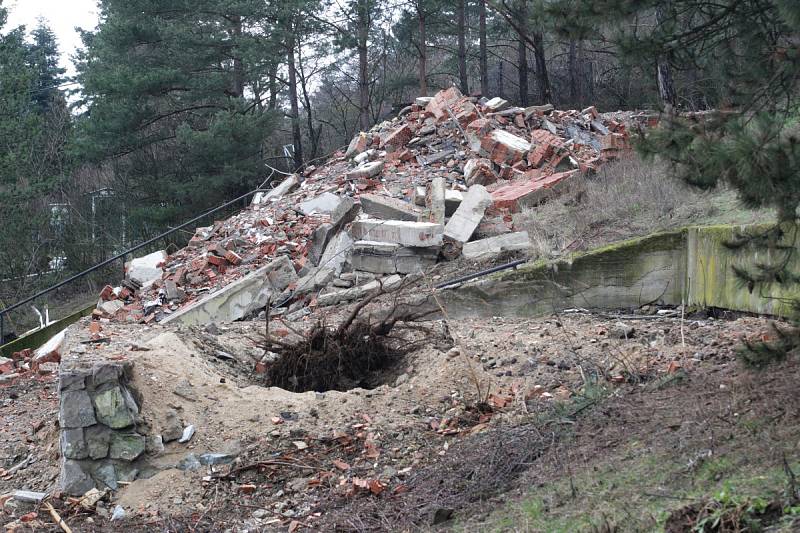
{"type": "Point", "coordinates": [627, 198]}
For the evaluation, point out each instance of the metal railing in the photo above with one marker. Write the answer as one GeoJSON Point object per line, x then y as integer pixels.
{"type": "Point", "coordinates": [123, 255]}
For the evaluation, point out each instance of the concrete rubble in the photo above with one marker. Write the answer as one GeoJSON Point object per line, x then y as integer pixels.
{"type": "Point", "coordinates": [411, 192]}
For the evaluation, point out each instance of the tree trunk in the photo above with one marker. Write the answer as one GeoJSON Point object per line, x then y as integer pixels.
{"type": "Point", "coordinates": [574, 78]}
{"type": "Point", "coordinates": [313, 135]}
{"type": "Point", "coordinates": [363, 70]}
{"type": "Point", "coordinates": [501, 86]}
{"type": "Point", "coordinates": [295, 111]}
{"type": "Point", "coordinates": [237, 88]}
{"type": "Point", "coordinates": [666, 88]}
{"type": "Point", "coordinates": [484, 62]}
{"type": "Point", "coordinates": [423, 51]}
{"type": "Point", "coordinates": [543, 79]}
{"type": "Point", "coordinates": [462, 45]}
{"type": "Point", "coordinates": [273, 86]}
{"type": "Point", "coordinates": [522, 54]}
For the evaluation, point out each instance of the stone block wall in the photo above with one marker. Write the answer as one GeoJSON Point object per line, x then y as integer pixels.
{"type": "Point", "coordinates": [98, 416]}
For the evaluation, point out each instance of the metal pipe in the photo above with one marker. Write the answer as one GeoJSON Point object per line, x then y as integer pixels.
{"type": "Point", "coordinates": [123, 254]}
{"type": "Point", "coordinates": [482, 273]}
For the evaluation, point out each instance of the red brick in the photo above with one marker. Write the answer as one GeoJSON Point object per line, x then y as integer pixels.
{"type": "Point", "coordinates": [232, 257]}
{"type": "Point", "coordinates": [216, 260]}
{"type": "Point", "coordinates": [517, 195]}
{"type": "Point", "coordinates": [107, 293]}
{"type": "Point", "coordinates": [438, 106]}
{"type": "Point", "coordinates": [6, 366]}
{"type": "Point", "coordinates": [397, 138]}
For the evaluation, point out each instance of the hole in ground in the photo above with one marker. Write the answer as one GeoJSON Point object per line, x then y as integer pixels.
{"type": "Point", "coordinates": [331, 360]}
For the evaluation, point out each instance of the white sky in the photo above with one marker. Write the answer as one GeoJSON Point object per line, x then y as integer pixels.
{"type": "Point", "coordinates": [61, 15]}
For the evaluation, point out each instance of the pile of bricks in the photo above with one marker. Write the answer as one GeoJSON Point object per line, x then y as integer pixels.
{"type": "Point", "coordinates": [447, 171]}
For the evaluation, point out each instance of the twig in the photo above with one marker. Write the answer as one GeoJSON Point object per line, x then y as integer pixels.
{"type": "Point", "coordinates": [57, 518]}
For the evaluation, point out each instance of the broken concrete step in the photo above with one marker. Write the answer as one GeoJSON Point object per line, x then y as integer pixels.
{"type": "Point", "coordinates": [493, 246]}
{"type": "Point", "coordinates": [469, 214]}
{"type": "Point", "coordinates": [417, 234]}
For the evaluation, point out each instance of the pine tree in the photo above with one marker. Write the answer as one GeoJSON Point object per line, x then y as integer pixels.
{"type": "Point", "coordinates": [43, 58]}
{"type": "Point", "coordinates": [168, 107]}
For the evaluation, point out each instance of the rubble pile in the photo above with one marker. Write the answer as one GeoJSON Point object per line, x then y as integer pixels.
{"type": "Point", "coordinates": [435, 183]}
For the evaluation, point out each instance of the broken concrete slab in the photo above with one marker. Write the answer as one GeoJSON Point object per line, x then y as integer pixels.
{"type": "Point", "coordinates": [145, 270]}
{"type": "Point", "coordinates": [495, 245]}
{"type": "Point", "coordinates": [335, 255]}
{"type": "Point", "coordinates": [278, 191]}
{"type": "Point", "coordinates": [469, 214]}
{"type": "Point", "coordinates": [324, 204]}
{"type": "Point", "coordinates": [417, 234]}
{"type": "Point", "coordinates": [391, 258]}
{"type": "Point", "coordinates": [435, 200]}
{"type": "Point", "coordinates": [319, 241]}
{"type": "Point", "coordinates": [314, 280]}
{"type": "Point", "coordinates": [345, 212]}
{"type": "Point", "coordinates": [496, 104]}
{"type": "Point", "coordinates": [281, 273]}
{"type": "Point", "coordinates": [388, 208]}
{"type": "Point", "coordinates": [229, 303]}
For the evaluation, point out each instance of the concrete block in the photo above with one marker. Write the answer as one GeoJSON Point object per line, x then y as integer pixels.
{"type": "Point", "coordinates": [145, 270]}
{"type": "Point", "coordinates": [365, 171]}
{"type": "Point", "coordinates": [495, 245]}
{"type": "Point", "coordinates": [387, 208]}
{"type": "Point", "coordinates": [280, 273]}
{"type": "Point", "coordinates": [390, 258]}
{"type": "Point", "coordinates": [418, 234]}
{"type": "Point", "coordinates": [496, 104]}
{"type": "Point", "coordinates": [319, 241]}
{"type": "Point", "coordinates": [452, 199]}
{"type": "Point", "coordinates": [468, 215]}
{"type": "Point", "coordinates": [435, 200]}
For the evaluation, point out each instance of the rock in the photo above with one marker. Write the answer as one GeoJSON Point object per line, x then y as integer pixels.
{"type": "Point", "coordinates": [172, 428]}
{"type": "Point", "coordinates": [111, 307]}
{"type": "Point", "coordinates": [97, 441]}
{"type": "Point", "coordinates": [112, 409]}
{"type": "Point", "coordinates": [357, 145]}
{"type": "Point", "coordinates": [126, 446]}
{"type": "Point", "coordinates": [190, 462]}
{"type": "Point", "coordinates": [73, 444]}
{"type": "Point", "coordinates": [621, 331]}
{"type": "Point", "coordinates": [76, 410]}
{"type": "Point", "coordinates": [154, 444]}
{"type": "Point", "coordinates": [188, 433]}
{"type": "Point", "coordinates": [106, 474]}
{"type": "Point", "coordinates": [281, 273]}
{"type": "Point", "coordinates": [118, 514]}
{"type": "Point", "coordinates": [319, 240]}
{"type": "Point", "coordinates": [73, 480]}
{"type": "Point", "coordinates": [401, 379]}
{"type": "Point", "coordinates": [335, 256]}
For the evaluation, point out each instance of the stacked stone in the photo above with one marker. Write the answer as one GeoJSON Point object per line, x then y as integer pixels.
{"type": "Point", "coordinates": [98, 415]}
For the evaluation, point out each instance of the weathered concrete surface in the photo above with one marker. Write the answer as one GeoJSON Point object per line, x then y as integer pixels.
{"type": "Point", "coordinates": [711, 280]}
{"type": "Point", "coordinates": [282, 188]}
{"type": "Point", "coordinates": [233, 301]}
{"type": "Point", "coordinates": [391, 258]}
{"type": "Point", "coordinates": [336, 254]}
{"type": "Point", "coordinates": [325, 204]}
{"type": "Point", "coordinates": [435, 200]}
{"type": "Point", "coordinates": [388, 285]}
{"type": "Point", "coordinates": [388, 208]}
{"type": "Point", "coordinates": [417, 234]}
{"type": "Point", "coordinates": [144, 270]}
{"type": "Point", "coordinates": [496, 245]}
{"type": "Point", "coordinates": [469, 214]}
{"type": "Point", "coordinates": [623, 275]}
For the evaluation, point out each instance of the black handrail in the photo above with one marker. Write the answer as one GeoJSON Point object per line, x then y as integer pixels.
{"type": "Point", "coordinates": [75, 277]}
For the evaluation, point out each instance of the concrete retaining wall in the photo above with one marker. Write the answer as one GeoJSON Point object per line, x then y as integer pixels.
{"type": "Point", "coordinates": [694, 266]}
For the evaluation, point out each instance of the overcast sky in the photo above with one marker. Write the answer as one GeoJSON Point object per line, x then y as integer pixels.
{"type": "Point", "coordinates": [61, 15]}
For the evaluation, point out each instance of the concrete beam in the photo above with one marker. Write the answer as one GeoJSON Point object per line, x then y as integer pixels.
{"type": "Point", "coordinates": [418, 234]}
